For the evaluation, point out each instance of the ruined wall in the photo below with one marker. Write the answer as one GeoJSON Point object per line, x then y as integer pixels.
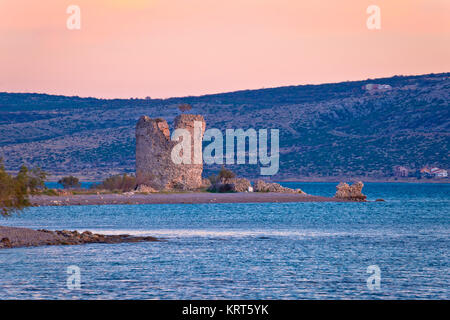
{"type": "Point", "coordinates": [154, 165]}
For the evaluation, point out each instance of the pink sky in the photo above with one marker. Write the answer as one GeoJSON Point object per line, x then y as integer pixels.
{"type": "Point", "coordinates": [164, 48]}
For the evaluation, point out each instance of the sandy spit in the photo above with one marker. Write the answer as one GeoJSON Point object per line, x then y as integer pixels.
{"type": "Point", "coordinates": [176, 198]}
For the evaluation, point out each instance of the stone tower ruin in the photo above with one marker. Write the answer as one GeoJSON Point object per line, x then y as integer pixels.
{"type": "Point", "coordinates": [154, 165]}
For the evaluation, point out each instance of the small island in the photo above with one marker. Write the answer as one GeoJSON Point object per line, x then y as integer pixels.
{"type": "Point", "coordinates": [159, 180]}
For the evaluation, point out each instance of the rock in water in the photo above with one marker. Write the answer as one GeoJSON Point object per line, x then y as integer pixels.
{"type": "Point", "coordinates": [352, 193]}
{"type": "Point", "coordinates": [154, 165]}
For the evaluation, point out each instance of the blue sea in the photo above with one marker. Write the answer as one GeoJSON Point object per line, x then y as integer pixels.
{"type": "Point", "coordinates": [56, 185]}
{"type": "Point", "coordinates": [245, 251]}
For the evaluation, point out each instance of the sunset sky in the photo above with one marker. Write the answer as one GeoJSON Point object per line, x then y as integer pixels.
{"type": "Point", "coordinates": [165, 48]}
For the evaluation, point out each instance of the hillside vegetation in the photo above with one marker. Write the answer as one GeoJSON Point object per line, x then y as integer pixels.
{"type": "Point", "coordinates": [329, 130]}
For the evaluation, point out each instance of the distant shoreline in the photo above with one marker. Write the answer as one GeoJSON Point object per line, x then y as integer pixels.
{"type": "Point", "coordinates": [176, 198]}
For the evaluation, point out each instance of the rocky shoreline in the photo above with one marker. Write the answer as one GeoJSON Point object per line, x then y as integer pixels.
{"type": "Point", "coordinates": [12, 237]}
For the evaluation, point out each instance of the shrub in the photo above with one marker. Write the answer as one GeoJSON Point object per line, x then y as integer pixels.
{"type": "Point", "coordinates": [118, 182]}
{"type": "Point", "coordinates": [70, 182]}
{"type": "Point", "coordinates": [13, 191]}
{"type": "Point", "coordinates": [220, 183]}
{"type": "Point", "coordinates": [225, 175]}
{"type": "Point", "coordinates": [33, 180]}
{"type": "Point", "coordinates": [221, 188]}
{"type": "Point", "coordinates": [214, 179]}
{"type": "Point", "coordinates": [227, 187]}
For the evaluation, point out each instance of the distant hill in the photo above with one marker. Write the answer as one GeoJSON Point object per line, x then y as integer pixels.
{"type": "Point", "coordinates": [328, 131]}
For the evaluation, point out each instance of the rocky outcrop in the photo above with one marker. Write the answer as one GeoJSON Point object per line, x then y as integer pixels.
{"type": "Point", "coordinates": [262, 186]}
{"type": "Point", "coordinates": [351, 193]}
{"type": "Point", "coordinates": [145, 189]}
{"type": "Point", "coordinates": [22, 237]}
{"type": "Point", "coordinates": [240, 184]}
{"type": "Point", "coordinates": [154, 165]}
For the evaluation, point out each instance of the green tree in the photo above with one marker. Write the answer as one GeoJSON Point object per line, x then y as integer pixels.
{"type": "Point", "coordinates": [32, 180]}
{"type": "Point", "coordinates": [13, 192]}
{"type": "Point", "coordinates": [70, 182]}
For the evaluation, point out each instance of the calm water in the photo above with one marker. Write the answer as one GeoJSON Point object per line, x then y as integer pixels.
{"type": "Point", "coordinates": [245, 251]}
{"type": "Point", "coordinates": [56, 185]}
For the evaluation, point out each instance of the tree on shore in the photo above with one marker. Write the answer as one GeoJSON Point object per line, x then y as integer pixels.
{"type": "Point", "coordinates": [33, 180]}
{"type": "Point", "coordinates": [14, 191]}
{"type": "Point", "coordinates": [70, 182]}
{"type": "Point", "coordinates": [222, 181]}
